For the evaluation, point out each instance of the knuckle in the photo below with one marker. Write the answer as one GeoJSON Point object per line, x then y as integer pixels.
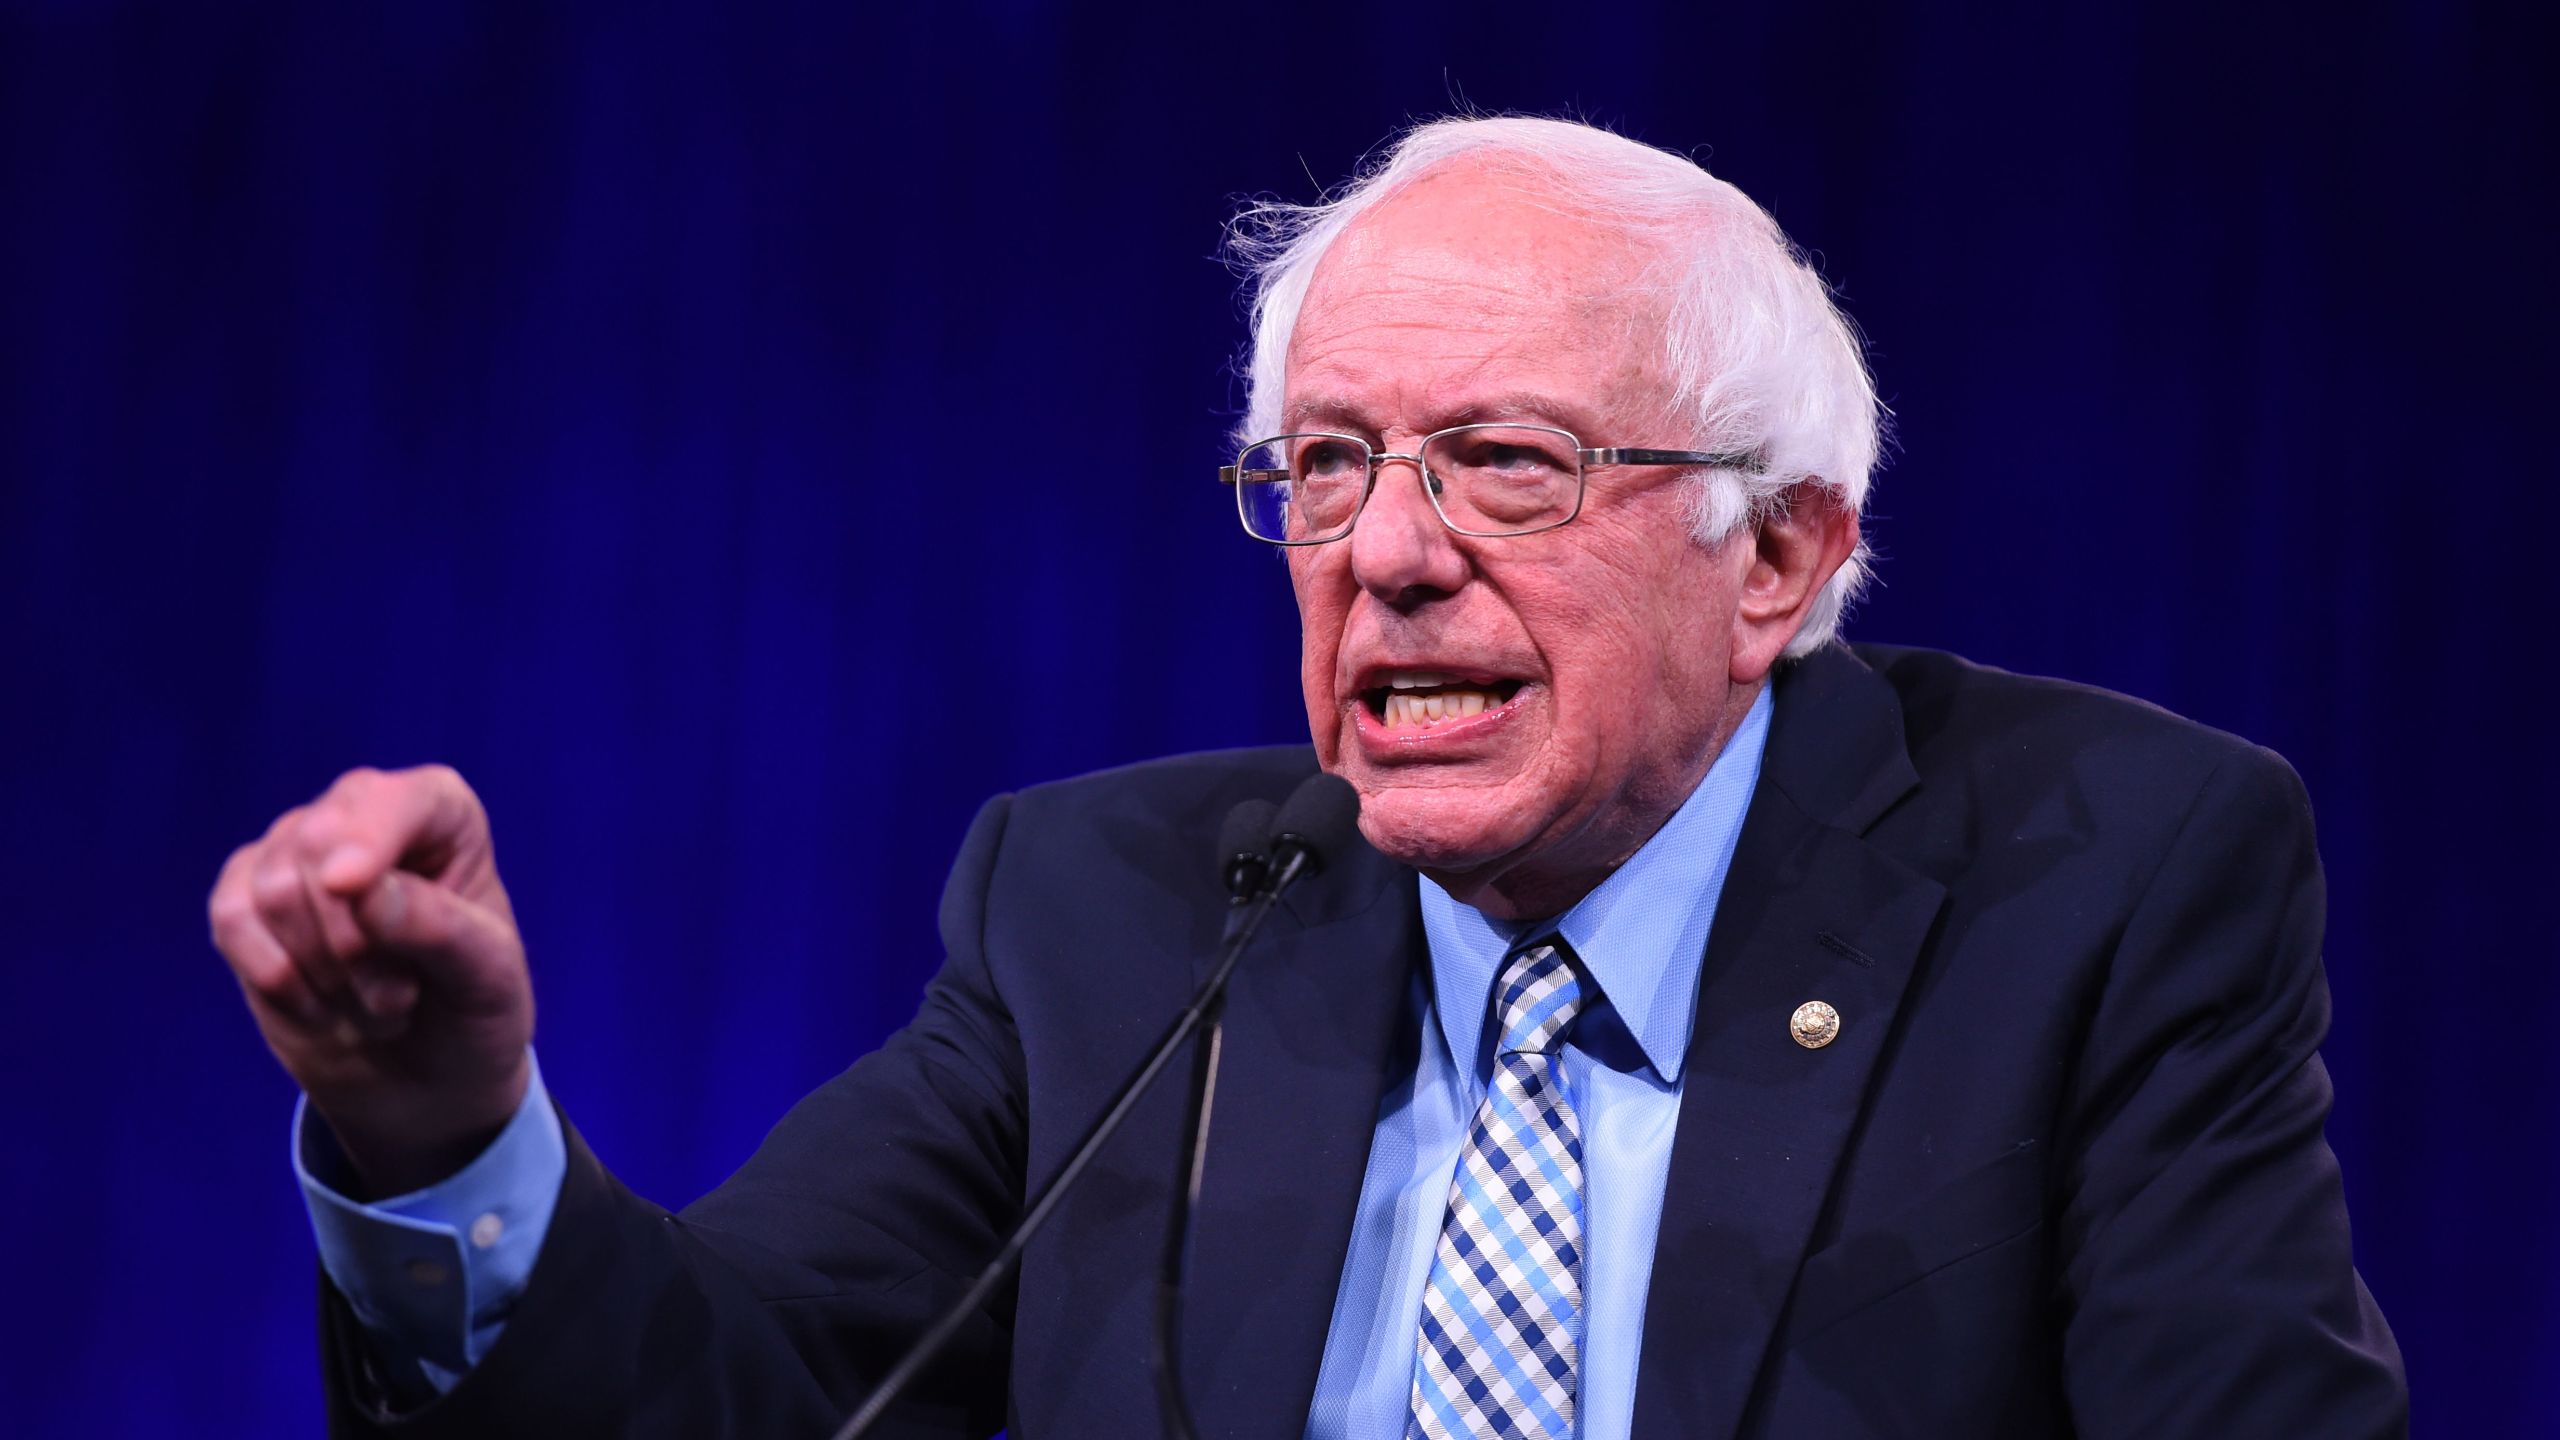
{"type": "Point", "coordinates": [352, 792]}
{"type": "Point", "coordinates": [264, 975]}
{"type": "Point", "coordinates": [229, 905]}
{"type": "Point", "coordinates": [231, 918]}
{"type": "Point", "coordinates": [275, 886]}
{"type": "Point", "coordinates": [358, 804]}
{"type": "Point", "coordinates": [235, 866]}
{"type": "Point", "coordinates": [286, 823]}
{"type": "Point", "coordinates": [453, 798]}
{"type": "Point", "coordinates": [440, 776]}
{"type": "Point", "coordinates": [319, 830]}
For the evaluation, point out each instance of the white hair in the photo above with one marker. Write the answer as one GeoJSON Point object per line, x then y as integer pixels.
{"type": "Point", "coordinates": [1755, 354]}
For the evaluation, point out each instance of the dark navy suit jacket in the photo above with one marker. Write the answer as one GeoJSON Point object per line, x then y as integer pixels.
{"type": "Point", "coordinates": [2061, 1172]}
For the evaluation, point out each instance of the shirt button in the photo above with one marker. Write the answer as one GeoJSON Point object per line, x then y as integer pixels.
{"type": "Point", "coordinates": [486, 1230]}
{"type": "Point", "coordinates": [426, 1274]}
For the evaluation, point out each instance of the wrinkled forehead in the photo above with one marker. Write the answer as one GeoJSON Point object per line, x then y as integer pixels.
{"type": "Point", "coordinates": [1471, 282]}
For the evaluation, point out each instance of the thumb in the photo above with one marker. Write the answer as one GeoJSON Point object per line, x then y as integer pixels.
{"type": "Point", "coordinates": [453, 943]}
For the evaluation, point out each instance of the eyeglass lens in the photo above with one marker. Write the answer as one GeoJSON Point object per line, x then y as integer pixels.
{"type": "Point", "coordinates": [1488, 480]}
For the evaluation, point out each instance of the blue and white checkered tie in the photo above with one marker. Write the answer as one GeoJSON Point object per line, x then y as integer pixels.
{"type": "Point", "coordinates": [1501, 1337]}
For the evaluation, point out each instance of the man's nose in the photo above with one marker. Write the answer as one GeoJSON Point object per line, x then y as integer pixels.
{"type": "Point", "coordinates": [1400, 551]}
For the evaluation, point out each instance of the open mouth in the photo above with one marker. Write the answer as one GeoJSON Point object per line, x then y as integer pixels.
{"type": "Point", "coordinates": [1420, 699]}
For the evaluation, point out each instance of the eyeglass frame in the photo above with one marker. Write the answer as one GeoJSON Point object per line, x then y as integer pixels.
{"type": "Point", "coordinates": [1586, 459]}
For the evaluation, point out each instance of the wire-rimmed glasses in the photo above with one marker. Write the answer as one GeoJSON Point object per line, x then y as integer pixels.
{"type": "Point", "coordinates": [1484, 480]}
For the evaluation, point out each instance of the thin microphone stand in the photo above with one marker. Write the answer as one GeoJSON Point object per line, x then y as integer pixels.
{"type": "Point", "coordinates": [1201, 1011]}
{"type": "Point", "coordinates": [1172, 1404]}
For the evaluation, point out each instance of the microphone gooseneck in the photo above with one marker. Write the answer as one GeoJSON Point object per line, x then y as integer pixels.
{"type": "Point", "coordinates": [1316, 822]}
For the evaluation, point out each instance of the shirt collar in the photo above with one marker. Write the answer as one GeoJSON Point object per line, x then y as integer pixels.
{"type": "Point", "coordinates": [1642, 933]}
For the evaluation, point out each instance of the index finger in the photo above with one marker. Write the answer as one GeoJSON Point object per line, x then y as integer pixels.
{"type": "Point", "coordinates": [373, 820]}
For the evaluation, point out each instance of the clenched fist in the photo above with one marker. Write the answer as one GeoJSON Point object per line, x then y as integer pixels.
{"type": "Point", "coordinates": [381, 959]}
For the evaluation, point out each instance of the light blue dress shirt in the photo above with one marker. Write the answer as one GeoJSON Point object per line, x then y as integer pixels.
{"type": "Point", "coordinates": [1642, 935]}
{"type": "Point", "coordinates": [434, 1274]}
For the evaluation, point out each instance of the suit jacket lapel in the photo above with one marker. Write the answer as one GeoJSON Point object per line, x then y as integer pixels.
{"type": "Point", "coordinates": [1314, 1021]}
{"type": "Point", "coordinates": [1810, 911]}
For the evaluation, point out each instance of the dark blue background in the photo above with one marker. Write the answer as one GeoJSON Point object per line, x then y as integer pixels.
{"type": "Point", "coordinates": [742, 441]}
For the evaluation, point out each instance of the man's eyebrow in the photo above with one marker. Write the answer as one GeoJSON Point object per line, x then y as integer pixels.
{"type": "Point", "coordinates": [1533, 406]}
{"type": "Point", "coordinates": [1323, 411]}
{"type": "Point", "coordinates": [1528, 406]}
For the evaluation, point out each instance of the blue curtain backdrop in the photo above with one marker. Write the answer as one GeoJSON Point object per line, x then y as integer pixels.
{"type": "Point", "coordinates": [742, 438]}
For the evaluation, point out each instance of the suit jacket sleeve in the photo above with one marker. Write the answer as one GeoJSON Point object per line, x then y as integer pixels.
{"type": "Point", "coordinates": [772, 1304]}
{"type": "Point", "coordinates": [2204, 1258]}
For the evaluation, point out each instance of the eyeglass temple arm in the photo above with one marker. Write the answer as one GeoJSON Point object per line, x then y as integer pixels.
{"type": "Point", "coordinates": [1752, 463]}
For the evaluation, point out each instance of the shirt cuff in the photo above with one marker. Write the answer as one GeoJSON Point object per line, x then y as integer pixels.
{"type": "Point", "coordinates": [434, 1273]}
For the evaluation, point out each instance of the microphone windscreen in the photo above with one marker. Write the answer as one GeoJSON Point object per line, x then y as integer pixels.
{"type": "Point", "coordinates": [1245, 840]}
{"type": "Point", "coordinates": [1319, 817]}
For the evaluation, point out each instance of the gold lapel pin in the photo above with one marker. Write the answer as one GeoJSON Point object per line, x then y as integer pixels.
{"type": "Point", "coordinates": [1814, 1025]}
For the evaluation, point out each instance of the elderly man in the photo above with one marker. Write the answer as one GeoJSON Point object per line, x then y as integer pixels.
{"type": "Point", "coordinates": [1730, 1032]}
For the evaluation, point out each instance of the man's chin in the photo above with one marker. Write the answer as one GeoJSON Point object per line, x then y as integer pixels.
{"type": "Point", "coordinates": [1439, 833]}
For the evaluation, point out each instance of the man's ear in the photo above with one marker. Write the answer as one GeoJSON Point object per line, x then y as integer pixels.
{"type": "Point", "coordinates": [1800, 542]}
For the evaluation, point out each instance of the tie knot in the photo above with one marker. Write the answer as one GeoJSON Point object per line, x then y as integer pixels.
{"type": "Point", "coordinates": [1536, 998]}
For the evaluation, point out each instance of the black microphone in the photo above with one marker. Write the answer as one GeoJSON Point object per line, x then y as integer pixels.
{"type": "Point", "coordinates": [1244, 845]}
{"type": "Point", "coordinates": [1317, 821]}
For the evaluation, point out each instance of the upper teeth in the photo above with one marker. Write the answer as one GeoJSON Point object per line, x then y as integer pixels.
{"type": "Point", "coordinates": [1449, 698]}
